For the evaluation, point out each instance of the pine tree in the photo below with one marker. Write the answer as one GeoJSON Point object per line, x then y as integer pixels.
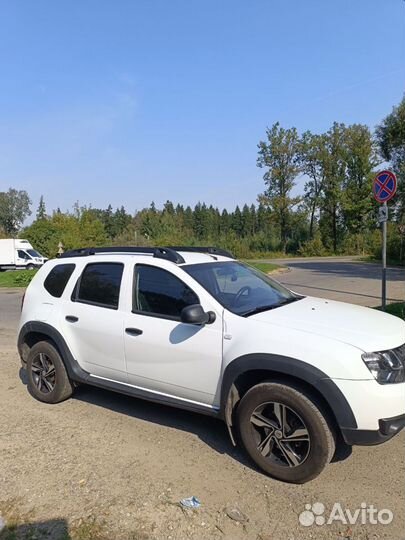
{"type": "Point", "coordinates": [41, 212]}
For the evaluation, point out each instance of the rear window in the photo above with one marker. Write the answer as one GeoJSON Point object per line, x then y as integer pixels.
{"type": "Point", "coordinates": [58, 278]}
{"type": "Point", "coordinates": [100, 285]}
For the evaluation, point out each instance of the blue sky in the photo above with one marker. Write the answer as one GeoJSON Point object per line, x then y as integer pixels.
{"type": "Point", "coordinates": [125, 102]}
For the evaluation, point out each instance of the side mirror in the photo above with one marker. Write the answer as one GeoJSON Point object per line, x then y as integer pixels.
{"type": "Point", "coordinates": [195, 314]}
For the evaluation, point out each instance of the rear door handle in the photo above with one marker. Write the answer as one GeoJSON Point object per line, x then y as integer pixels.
{"type": "Point", "coordinates": [133, 331]}
{"type": "Point", "coordinates": [71, 318]}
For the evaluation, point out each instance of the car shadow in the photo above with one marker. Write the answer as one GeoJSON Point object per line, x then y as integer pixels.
{"type": "Point", "coordinates": [56, 529]}
{"type": "Point", "coordinates": [212, 431]}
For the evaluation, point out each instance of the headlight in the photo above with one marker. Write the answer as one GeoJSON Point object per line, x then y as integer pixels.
{"type": "Point", "coordinates": [387, 367]}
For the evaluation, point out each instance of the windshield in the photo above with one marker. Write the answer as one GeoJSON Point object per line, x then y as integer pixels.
{"type": "Point", "coordinates": [33, 253]}
{"type": "Point", "coordinates": [240, 288]}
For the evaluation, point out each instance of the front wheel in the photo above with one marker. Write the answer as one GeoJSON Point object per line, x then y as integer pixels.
{"type": "Point", "coordinates": [284, 432]}
{"type": "Point", "coordinates": [30, 267]}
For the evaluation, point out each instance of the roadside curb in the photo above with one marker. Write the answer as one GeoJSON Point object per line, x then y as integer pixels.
{"type": "Point", "coordinates": [282, 270]}
{"type": "Point", "coordinates": [9, 290]}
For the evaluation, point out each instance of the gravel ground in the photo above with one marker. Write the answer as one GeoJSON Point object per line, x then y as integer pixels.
{"type": "Point", "coordinates": [107, 466]}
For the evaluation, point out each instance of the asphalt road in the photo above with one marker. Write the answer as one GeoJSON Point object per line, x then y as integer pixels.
{"type": "Point", "coordinates": [345, 279]}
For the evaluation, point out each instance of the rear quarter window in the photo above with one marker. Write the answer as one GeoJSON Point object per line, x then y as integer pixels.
{"type": "Point", "coordinates": [58, 278]}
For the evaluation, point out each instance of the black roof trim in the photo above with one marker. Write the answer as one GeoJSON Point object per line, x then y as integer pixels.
{"type": "Point", "coordinates": [168, 254]}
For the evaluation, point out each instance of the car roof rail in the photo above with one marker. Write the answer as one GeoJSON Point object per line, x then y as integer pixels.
{"type": "Point", "coordinates": [203, 249]}
{"type": "Point", "coordinates": [168, 254]}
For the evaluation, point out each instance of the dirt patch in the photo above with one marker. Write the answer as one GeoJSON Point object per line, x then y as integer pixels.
{"type": "Point", "coordinates": [102, 465]}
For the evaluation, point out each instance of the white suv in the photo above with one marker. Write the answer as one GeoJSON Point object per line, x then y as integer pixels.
{"type": "Point", "coordinates": [194, 328]}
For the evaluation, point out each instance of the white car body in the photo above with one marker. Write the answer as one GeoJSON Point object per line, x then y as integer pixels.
{"type": "Point", "coordinates": [316, 340]}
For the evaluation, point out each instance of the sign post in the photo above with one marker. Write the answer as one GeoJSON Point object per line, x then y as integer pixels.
{"type": "Point", "coordinates": [384, 260]}
{"type": "Point", "coordinates": [384, 188]}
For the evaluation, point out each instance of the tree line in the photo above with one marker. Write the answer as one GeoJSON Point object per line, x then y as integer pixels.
{"type": "Point", "coordinates": [333, 212]}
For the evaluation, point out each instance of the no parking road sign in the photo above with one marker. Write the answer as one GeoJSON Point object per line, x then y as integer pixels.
{"type": "Point", "coordinates": [384, 186]}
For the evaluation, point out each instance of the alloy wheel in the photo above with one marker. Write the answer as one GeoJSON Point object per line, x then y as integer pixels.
{"type": "Point", "coordinates": [43, 373]}
{"type": "Point", "coordinates": [280, 434]}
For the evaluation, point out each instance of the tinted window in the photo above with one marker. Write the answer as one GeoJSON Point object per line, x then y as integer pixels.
{"type": "Point", "coordinates": [22, 255]}
{"type": "Point", "coordinates": [58, 278]}
{"type": "Point", "coordinates": [159, 292]}
{"type": "Point", "coordinates": [33, 253]}
{"type": "Point", "coordinates": [100, 284]}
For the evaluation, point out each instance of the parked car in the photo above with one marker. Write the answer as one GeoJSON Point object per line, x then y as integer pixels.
{"type": "Point", "coordinates": [290, 375]}
{"type": "Point", "coordinates": [19, 254]}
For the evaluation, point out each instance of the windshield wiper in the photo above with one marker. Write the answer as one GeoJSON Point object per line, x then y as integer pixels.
{"type": "Point", "coordinates": [260, 309]}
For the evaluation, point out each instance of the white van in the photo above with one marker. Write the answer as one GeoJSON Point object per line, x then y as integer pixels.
{"type": "Point", "coordinates": [18, 253]}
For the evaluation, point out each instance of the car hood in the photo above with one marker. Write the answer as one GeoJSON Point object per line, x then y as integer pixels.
{"type": "Point", "coordinates": [365, 328]}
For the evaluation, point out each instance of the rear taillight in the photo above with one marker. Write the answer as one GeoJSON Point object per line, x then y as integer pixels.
{"type": "Point", "coordinates": [22, 301]}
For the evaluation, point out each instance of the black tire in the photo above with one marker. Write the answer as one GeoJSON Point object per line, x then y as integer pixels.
{"type": "Point", "coordinates": [30, 267]}
{"type": "Point", "coordinates": [47, 379]}
{"type": "Point", "coordinates": [296, 449]}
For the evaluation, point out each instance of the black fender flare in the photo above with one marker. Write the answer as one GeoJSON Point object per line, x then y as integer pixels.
{"type": "Point", "coordinates": [284, 366]}
{"type": "Point", "coordinates": [75, 372]}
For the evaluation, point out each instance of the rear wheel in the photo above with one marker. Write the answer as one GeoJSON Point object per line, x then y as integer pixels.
{"type": "Point", "coordinates": [285, 432]}
{"type": "Point", "coordinates": [48, 380]}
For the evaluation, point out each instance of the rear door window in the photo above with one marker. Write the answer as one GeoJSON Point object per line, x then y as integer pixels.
{"type": "Point", "coordinates": [100, 285]}
{"type": "Point", "coordinates": [57, 279]}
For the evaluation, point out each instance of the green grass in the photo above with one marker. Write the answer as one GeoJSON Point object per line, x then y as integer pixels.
{"type": "Point", "coordinates": [396, 309]}
{"type": "Point", "coordinates": [390, 262]}
{"type": "Point", "coordinates": [16, 278]}
{"type": "Point", "coordinates": [267, 268]}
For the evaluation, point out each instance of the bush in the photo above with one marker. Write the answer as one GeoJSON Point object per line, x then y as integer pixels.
{"type": "Point", "coordinates": [313, 248]}
{"type": "Point", "coordinates": [23, 278]}
{"type": "Point", "coordinates": [361, 243]}
{"type": "Point", "coordinates": [394, 241]}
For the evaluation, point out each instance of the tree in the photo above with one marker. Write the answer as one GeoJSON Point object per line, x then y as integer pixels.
{"type": "Point", "coordinates": [237, 222]}
{"type": "Point", "coordinates": [334, 175]}
{"type": "Point", "coordinates": [14, 209]}
{"type": "Point", "coordinates": [168, 207]}
{"type": "Point", "coordinates": [199, 220]}
{"type": "Point", "coordinates": [43, 235]}
{"type": "Point", "coordinates": [74, 232]}
{"type": "Point", "coordinates": [390, 136]}
{"type": "Point", "coordinates": [108, 220]}
{"type": "Point", "coordinates": [279, 155]}
{"type": "Point", "coordinates": [121, 220]}
{"type": "Point", "coordinates": [225, 222]}
{"type": "Point", "coordinates": [41, 212]}
{"type": "Point", "coordinates": [312, 156]}
{"type": "Point", "coordinates": [358, 207]}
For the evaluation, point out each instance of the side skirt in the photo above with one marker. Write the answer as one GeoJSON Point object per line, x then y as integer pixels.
{"type": "Point", "coordinates": [163, 399]}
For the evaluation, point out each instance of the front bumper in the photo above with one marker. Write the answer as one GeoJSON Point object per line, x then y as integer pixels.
{"type": "Point", "coordinates": [388, 428]}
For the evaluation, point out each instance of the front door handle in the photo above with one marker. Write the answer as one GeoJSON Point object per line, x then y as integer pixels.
{"type": "Point", "coordinates": [71, 318]}
{"type": "Point", "coordinates": [133, 331]}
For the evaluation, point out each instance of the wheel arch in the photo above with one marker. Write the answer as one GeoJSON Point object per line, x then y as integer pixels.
{"type": "Point", "coordinates": [248, 370]}
{"type": "Point", "coordinates": [35, 331]}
